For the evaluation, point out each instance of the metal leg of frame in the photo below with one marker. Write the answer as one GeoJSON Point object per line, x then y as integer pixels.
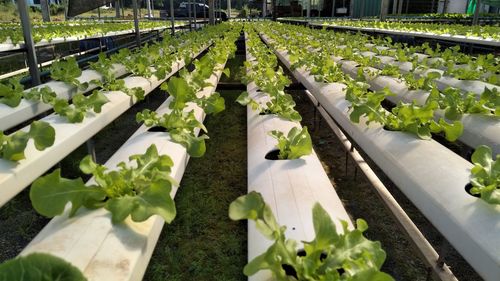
{"type": "Point", "coordinates": [91, 149]}
{"type": "Point", "coordinates": [29, 45]}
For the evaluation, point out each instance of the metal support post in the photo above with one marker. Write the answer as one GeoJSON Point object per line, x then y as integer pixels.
{"type": "Point", "coordinates": [28, 42]}
{"type": "Point", "coordinates": [445, 6]}
{"type": "Point", "coordinates": [148, 5]}
{"type": "Point", "coordinates": [475, 20]}
{"type": "Point", "coordinates": [189, 16]}
{"type": "Point", "coordinates": [91, 149]}
{"type": "Point", "coordinates": [215, 11]}
{"type": "Point", "coordinates": [172, 17]}
{"type": "Point", "coordinates": [117, 8]}
{"type": "Point", "coordinates": [308, 11]}
{"type": "Point", "coordinates": [195, 16]}
{"type": "Point", "coordinates": [384, 7]}
{"type": "Point", "coordinates": [211, 14]}
{"type": "Point", "coordinates": [136, 24]}
{"type": "Point", "coordinates": [229, 8]}
{"type": "Point", "coordinates": [204, 12]}
{"type": "Point", "coordinates": [44, 5]}
{"type": "Point", "coordinates": [220, 10]}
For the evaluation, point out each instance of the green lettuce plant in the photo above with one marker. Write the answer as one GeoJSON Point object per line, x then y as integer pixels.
{"type": "Point", "coordinates": [39, 267]}
{"type": "Point", "coordinates": [139, 190]}
{"type": "Point", "coordinates": [12, 146]}
{"type": "Point", "coordinates": [485, 175]}
{"type": "Point", "coordinates": [333, 255]}
{"type": "Point", "coordinates": [295, 144]}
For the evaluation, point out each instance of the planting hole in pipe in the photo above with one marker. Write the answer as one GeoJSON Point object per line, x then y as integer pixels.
{"type": "Point", "coordinates": [273, 155]}
{"type": "Point", "coordinates": [157, 129]}
{"type": "Point", "coordinates": [468, 187]}
{"type": "Point", "coordinates": [290, 270]}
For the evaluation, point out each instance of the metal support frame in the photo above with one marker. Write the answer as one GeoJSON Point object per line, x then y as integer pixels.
{"type": "Point", "coordinates": [475, 20]}
{"type": "Point", "coordinates": [334, 3]}
{"type": "Point", "coordinates": [91, 149]}
{"type": "Point", "coordinates": [435, 262]}
{"type": "Point", "coordinates": [189, 15]}
{"type": "Point", "coordinates": [136, 24]}
{"type": "Point", "coordinates": [28, 42]}
{"type": "Point", "coordinates": [400, 7]}
{"type": "Point", "coordinates": [445, 6]}
{"type": "Point", "coordinates": [117, 8]}
{"type": "Point", "coordinates": [273, 3]}
{"type": "Point", "coordinates": [44, 6]}
{"type": "Point", "coordinates": [148, 5]}
{"type": "Point", "coordinates": [195, 16]}
{"type": "Point", "coordinates": [172, 17]}
{"type": "Point", "coordinates": [220, 10]}
{"type": "Point", "coordinates": [308, 11]}
{"type": "Point", "coordinates": [384, 8]}
{"type": "Point", "coordinates": [204, 11]}
{"type": "Point", "coordinates": [229, 8]}
{"type": "Point", "coordinates": [211, 12]}
{"type": "Point", "coordinates": [123, 8]}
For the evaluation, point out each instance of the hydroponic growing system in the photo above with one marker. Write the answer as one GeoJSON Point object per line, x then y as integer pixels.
{"type": "Point", "coordinates": [422, 117]}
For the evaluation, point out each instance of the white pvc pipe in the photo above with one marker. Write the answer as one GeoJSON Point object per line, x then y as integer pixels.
{"type": "Point", "coordinates": [430, 175]}
{"type": "Point", "coordinates": [100, 249]}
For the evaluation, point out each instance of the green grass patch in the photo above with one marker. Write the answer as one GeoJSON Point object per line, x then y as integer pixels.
{"type": "Point", "coordinates": [202, 243]}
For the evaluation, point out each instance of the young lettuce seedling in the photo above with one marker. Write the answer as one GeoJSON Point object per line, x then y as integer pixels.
{"type": "Point", "coordinates": [485, 175]}
{"type": "Point", "coordinates": [12, 146]}
{"type": "Point", "coordinates": [39, 267]}
{"type": "Point", "coordinates": [295, 145]}
{"type": "Point", "coordinates": [141, 190]}
{"type": "Point", "coordinates": [347, 256]}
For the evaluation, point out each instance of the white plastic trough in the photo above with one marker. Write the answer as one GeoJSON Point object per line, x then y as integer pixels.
{"type": "Point", "coordinates": [101, 250]}
{"type": "Point", "coordinates": [448, 37]}
{"type": "Point", "coordinates": [429, 174]}
{"type": "Point", "coordinates": [12, 116]}
{"type": "Point", "coordinates": [9, 46]}
{"type": "Point", "coordinates": [290, 187]}
{"type": "Point", "coordinates": [478, 129]}
{"type": "Point", "coordinates": [475, 86]}
{"type": "Point", "coordinates": [15, 177]}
